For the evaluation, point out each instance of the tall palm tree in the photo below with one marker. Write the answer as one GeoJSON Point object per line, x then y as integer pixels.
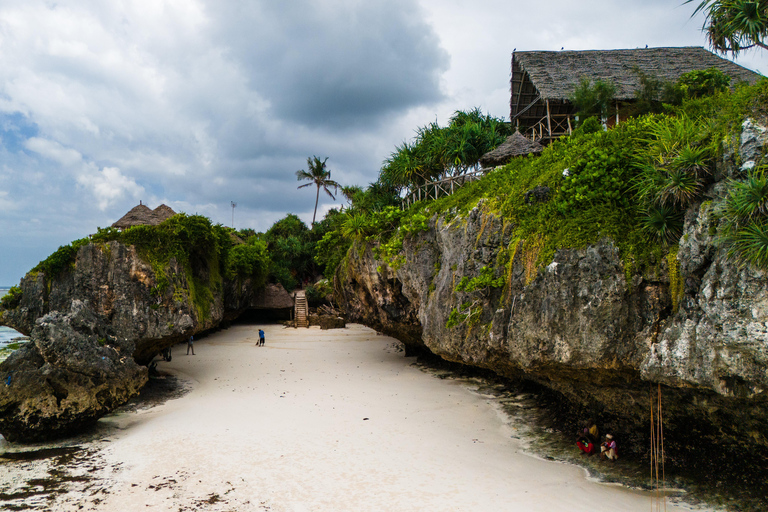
{"type": "Point", "coordinates": [319, 175]}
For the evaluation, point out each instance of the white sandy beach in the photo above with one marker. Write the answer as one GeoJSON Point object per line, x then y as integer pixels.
{"type": "Point", "coordinates": [332, 420]}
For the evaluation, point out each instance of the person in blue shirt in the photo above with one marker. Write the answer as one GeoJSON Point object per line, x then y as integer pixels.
{"type": "Point", "coordinates": [261, 338]}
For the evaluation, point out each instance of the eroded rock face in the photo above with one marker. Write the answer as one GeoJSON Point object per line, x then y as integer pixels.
{"type": "Point", "coordinates": [579, 327]}
{"type": "Point", "coordinates": [66, 378]}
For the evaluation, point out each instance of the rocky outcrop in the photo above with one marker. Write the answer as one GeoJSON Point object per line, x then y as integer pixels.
{"type": "Point", "coordinates": [582, 325]}
{"type": "Point", "coordinates": [68, 376]}
{"type": "Point", "coordinates": [93, 327]}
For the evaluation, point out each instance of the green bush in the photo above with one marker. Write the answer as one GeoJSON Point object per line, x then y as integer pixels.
{"type": "Point", "coordinates": [11, 299]}
{"type": "Point", "coordinates": [593, 98]}
{"type": "Point", "coordinates": [705, 82]}
{"type": "Point", "coordinates": [62, 259]}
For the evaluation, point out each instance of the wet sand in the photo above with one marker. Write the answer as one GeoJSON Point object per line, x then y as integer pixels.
{"type": "Point", "coordinates": [332, 420]}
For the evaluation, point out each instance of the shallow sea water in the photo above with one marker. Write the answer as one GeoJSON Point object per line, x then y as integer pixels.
{"type": "Point", "coordinates": [7, 335]}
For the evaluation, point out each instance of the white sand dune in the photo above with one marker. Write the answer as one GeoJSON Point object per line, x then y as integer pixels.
{"type": "Point", "coordinates": [331, 421]}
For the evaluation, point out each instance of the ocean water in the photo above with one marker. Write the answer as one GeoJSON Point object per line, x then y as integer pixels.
{"type": "Point", "coordinates": [6, 333]}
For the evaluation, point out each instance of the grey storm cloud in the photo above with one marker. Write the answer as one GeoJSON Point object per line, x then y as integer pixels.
{"type": "Point", "coordinates": [334, 63]}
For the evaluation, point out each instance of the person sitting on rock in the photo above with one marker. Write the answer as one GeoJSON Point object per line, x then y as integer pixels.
{"type": "Point", "coordinates": [608, 449]}
{"type": "Point", "coordinates": [587, 438]}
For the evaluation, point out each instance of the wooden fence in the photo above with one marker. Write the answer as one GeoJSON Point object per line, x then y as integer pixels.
{"type": "Point", "coordinates": [441, 188]}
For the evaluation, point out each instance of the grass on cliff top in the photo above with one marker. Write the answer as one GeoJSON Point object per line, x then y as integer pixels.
{"type": "Point", "coordinates": [601, 207]}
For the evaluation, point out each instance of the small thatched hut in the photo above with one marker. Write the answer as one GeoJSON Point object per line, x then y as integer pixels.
{"type": "Point", "coordinates": [515, 145]}
{"type": "Point", "coordinates": [543, 81]}
{"type": "Point", "coordinates": [141, 215]}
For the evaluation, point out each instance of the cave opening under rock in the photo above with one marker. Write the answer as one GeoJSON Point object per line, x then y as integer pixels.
{"type": "Point", "coordinates": [264, 316]}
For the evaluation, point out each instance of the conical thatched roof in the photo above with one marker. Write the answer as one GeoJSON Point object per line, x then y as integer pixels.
{"type": "Point", "coordinates": [142, 215]}
{"type": "Point", "coordinates": [163, 212]}
{"type": "Point", "coordinates": [136, 216]}
{"type": "Point", "coordinates": [515, 145]}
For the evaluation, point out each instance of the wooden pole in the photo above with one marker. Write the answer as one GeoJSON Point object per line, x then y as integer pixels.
{"type": "Point", "coordinates": [549, 121]}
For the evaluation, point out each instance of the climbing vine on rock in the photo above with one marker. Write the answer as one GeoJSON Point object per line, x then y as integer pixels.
{"type": "Point", "coordinates": [675, 280]}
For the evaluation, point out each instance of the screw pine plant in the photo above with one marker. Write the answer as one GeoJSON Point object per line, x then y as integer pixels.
{"type": "Point", "coordinates": [679, 157]}
{"type": "Point", "coordinates": [745, 216]}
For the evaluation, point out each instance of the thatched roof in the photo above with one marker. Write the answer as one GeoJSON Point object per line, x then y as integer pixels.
{"type": "Point", "coordinates": [142, 215]}
{"type": "Point", "coordinates": [515, 145]}
{"type": "Point", "coordinates": [556, 74]}
{"type": "Point", "coordinates": [163, 212]}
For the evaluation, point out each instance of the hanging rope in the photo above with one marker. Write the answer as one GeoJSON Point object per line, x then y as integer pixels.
{"type": "Point", "coordinates": [657, 452]}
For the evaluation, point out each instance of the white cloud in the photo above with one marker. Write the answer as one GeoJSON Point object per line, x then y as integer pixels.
{"type": "Point", "coordinates": [109, 185]}
{"type": "Point", "coordinates": [54, 151]}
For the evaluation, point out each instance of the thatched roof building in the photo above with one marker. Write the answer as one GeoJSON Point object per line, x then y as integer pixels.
{"type": "Point", "coordinates": [142, 215]}
{"type": "Point", "coordinates": [515, 145]}
{"type": "Point", "coordinates": [542, 81]}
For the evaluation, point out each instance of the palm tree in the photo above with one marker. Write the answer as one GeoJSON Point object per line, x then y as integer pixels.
{"type": "Point", "coordinates": [318, 175]}
{"type": "Point", "coordinates": [735, 25]}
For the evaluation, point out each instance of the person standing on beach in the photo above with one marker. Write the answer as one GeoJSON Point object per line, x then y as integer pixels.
{"type": "Point", "coordinates": [191, 345]}
{"type": "Point", "coordinates": [261, 338]}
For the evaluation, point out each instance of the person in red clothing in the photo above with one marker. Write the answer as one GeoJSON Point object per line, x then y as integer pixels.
{"type": "Point", "coordinates": [587, 438]}
{"type": "Point", "coordinates": [608, 449]}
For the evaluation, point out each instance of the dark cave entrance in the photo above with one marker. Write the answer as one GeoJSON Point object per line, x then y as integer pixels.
{"type": "Point", "coordinates": [264, 316]}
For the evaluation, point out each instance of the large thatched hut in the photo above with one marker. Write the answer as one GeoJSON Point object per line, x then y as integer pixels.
{"type": "Point", "coordinates": [142, 215]}
{"type": "Point", "coordinates": [542, 81]}
{"type": "Point", "coordinates": [515, 145]}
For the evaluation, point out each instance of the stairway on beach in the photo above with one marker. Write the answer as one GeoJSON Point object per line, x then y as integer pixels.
{"type": "Point", "coordinates": [301, 309]}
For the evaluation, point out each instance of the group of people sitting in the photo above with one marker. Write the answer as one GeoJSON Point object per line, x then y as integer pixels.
{"type": "Point", "coordinates": [588, 439]}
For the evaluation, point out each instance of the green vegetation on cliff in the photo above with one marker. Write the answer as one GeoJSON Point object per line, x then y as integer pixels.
{"type": "Point", "coordinates": [207, 253]}
{"type": "Point", "coordinates": [632, 184]}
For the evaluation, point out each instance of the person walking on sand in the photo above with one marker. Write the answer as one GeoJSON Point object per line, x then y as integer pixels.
{"type": "Point", "coordinates": [191, 345]}
{"type": "Point", "coordinates": [261, 338]}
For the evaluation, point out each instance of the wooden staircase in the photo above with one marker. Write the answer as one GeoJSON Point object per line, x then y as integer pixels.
{"type": "Point", "coordinates": [301, 309]}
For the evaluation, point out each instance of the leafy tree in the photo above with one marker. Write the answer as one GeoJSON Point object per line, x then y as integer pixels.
{"type": "Point", "coordinates": [593, 99]}
{"type": "Point", "coordinates": [291, 247]}
{"type": "Point", "coordinates": [735, 25]}
{"type": "Point", "coordinates": [319, 175]}
{"type": "Point", "coordinates": [250, 260]}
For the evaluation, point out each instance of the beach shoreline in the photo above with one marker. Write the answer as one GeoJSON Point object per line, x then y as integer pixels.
{"type": "Point", "coordinates": [318, 420]}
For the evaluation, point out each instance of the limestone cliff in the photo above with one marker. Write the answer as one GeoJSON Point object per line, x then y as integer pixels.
{"type": "Point", "coordinates": [94, 325]}
{"type": "Point", "coordinates": [585, 325]}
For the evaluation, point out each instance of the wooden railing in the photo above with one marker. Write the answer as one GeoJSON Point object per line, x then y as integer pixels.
{"type": "Point", "coordinates": [441, 188]}
{"type": "Point", "coordinates": [550, 128]}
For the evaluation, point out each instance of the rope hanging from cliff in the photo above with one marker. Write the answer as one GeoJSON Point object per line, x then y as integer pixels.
{"type": "Point", "coordinates": [657, 451]}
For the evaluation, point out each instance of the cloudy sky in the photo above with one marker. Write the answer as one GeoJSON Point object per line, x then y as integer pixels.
{"type": "Point", "coordinates": [197, 103]}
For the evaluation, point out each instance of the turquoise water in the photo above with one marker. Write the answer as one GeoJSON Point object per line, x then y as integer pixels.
{"type": "Point", "coordinates": [6, 333]}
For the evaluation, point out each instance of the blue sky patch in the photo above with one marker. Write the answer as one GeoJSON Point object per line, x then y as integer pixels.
{"type": "Point", "coordinates": [15, 128]}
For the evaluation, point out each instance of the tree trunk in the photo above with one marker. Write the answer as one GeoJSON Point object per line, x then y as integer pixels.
{"type": "Point", "coordinates": [317, 198]}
